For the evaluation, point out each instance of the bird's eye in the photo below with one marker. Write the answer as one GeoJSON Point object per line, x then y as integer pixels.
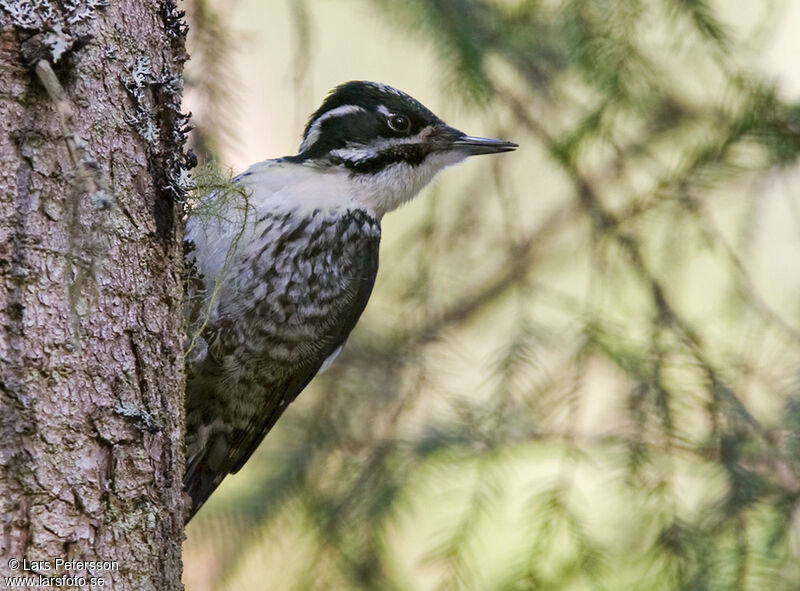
{"type": "Point", "coordinates": [399, 123]}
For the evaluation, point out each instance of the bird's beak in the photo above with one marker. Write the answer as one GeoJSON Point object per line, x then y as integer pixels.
{"type": "Point", "coordinates": [482, 145]}
{"type": "Point", "coordinates": [471, 145]}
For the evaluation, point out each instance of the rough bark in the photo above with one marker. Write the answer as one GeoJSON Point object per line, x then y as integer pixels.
{"type": "Point", "coordinates": [91, 364]}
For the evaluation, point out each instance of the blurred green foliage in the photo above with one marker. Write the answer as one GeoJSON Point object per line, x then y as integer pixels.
{"type": "Point", "coordinates": [639, 425]}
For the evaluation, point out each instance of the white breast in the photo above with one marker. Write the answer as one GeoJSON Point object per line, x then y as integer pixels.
{"type": "Point", "coordinates": [224, 224]}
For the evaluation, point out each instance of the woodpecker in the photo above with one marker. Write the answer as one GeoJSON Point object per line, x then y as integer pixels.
{"type": "Point", "coordinates": [285, 266]}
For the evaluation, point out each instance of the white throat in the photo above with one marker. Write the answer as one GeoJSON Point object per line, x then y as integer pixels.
{"type": "Point", "coordinates": [398, 183]}
{"type": "Point", "coordinates": [279, 184]}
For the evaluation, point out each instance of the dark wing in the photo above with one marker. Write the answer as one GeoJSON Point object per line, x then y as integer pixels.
{"type": "Point", "coordinates": [228, 450]}
{"type": "Point", "coordinates": [227, 453]}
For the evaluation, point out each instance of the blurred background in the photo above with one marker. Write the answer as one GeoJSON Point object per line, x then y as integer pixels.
{"type": "Point", "coordinates": [579, 366]}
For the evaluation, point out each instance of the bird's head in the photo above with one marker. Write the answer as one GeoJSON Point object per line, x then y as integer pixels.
{"type": "Point", "coordinates": [389, 143]}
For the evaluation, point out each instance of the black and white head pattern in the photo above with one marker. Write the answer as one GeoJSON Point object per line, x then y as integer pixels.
{"type": "Point", "coordinates": [390, 144]}
{"type": "Point", "coordinates": [360, 114]}
{"type": "Point", "coordinates": [366, 126]}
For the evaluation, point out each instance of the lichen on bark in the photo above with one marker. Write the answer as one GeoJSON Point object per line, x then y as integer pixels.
{"type": "Point", "coordinates": [91, 361]}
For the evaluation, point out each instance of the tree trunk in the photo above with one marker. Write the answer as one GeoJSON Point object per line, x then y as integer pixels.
{"type": "Point", "coordinates": [91, 363]}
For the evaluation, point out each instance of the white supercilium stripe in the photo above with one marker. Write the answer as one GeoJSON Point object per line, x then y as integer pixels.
{"type": "Point", "coordinates": [313, 132]}
{"type": "Point", "coordinates": [358, 153]}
